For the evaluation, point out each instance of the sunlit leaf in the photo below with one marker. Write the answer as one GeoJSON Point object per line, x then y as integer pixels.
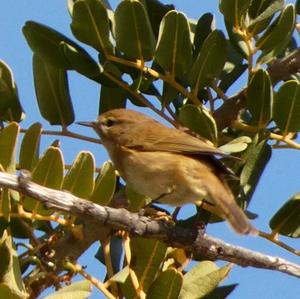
{"type": "Point", "coordinates": [166, 285]}
{"type": "Point", "coordinates": [136, 200]}
{"type": "Point", "coordinates": [147, 256]}
{"type": "Point", "coordinates": [202, 279]}
{"type": "Point", "coordinates": [11, 283]}
{"type": "Point", "coordinates": [105, 184]}
{"type": "Point", "coordinates": [237, 145]}
{"type": "Point", "coordinates": [29, 152]}
{"type": "Point", "coordinates": [48, 172]}
{"type": "Point", "coordinates": [80, 178]}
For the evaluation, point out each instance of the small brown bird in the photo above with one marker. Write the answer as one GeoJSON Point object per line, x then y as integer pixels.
{"type": "Point", "coordinates": [167, 164]}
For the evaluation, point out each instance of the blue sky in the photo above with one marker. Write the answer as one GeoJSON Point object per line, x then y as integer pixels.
{"type": "Point", "coordinates": [279, 181]}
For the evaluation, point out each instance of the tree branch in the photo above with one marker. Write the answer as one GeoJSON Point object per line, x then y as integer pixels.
{"type": "Point", "coordinates": [280, 69]}
{"type": "Point", "coordinates": [194, 240]}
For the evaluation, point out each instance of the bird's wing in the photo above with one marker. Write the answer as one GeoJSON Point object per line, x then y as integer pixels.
{"type": "Point", "coordinates": [172, 140]}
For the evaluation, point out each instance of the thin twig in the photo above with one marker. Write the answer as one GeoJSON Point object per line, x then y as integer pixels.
{"type": "Point", "coordinates": [282, 138]}
{"type": "Point", "coordinates": [98, 284]}
{"type": "Point", "coordinates": [67, 133]}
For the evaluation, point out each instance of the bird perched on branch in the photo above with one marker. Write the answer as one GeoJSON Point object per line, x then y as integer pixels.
{"type": "Point", "coordinates": [167, 164]}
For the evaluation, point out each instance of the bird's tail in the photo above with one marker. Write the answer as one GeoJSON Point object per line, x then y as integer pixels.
{"type": "Point", "coordinates": [224, 200]}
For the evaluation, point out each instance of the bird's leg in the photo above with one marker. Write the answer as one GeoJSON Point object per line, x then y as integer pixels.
{"type": "Point", "coordinates": [161, 213]}
{"type": "Point", "coordinates": [209, 207]}
{"type": "Point", "coordinates": [169, 191]}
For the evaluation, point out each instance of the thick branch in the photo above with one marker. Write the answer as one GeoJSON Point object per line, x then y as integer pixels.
{"type": "Point", "coordinates": [190, 239]}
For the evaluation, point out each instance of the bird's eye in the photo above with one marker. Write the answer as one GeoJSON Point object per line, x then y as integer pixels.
{"type": "Point", "coordinates": [110, 122]}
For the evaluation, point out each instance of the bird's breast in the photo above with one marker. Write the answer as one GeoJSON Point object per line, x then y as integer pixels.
{"type": "Point", "coordinates": [161, 175]}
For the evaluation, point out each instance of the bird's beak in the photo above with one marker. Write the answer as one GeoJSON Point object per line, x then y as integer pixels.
{"type": "Point", "coordinates": [91, 124]}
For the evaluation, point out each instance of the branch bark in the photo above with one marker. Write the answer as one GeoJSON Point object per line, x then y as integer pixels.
{"type": "Point", "coordinates": [194, 240]}
{"type": "Point", "coordinates": [280, 69]}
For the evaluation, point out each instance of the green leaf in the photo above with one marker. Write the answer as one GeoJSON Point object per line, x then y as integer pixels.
{"type": "Point", "coordinates": [156, 11]}
{"type": "Point", "coordinates": [169, 94]}
{"type": "Point", "coordinates": [202, 279]}
{"type": "Point", "coordinates": [228, 78]}
{"type": "Point", "coordinates": [90, 25]}
{"type": "Point", "coordinates": [205, 25]}
{"type": "Point", "coordinates": [11, 283]}
{"type": "Point", "coordinates": [260, 10]}
{"type": "Point", "coordinates": [236, 145]}
{"type": "Point", "coordinates": [111, 98]}
{"type": "Point", "coordinates": [45, 42]}
{"type": "Point", "coordinates": [147, 256]}
{"type": "Point", "coordinates": [136, 200]}
{"type": "Point", "coordinates": [221, 292]}
{"type": "Point", "coordinates": [210, 60]}
{"type": "Point", "coordinates": [133, 32]}
{"type": "Point", "coordinates": [80, 178]}
{"type": "Point", "coordinates": [7, 85]}
{"type": "Point", "coordinates": [81, 62]}
{"type": "Point", "coordinates": [105, 185]}
{"type": "Point", "coordinates": [10, 107]}
{"type": "Point", "coordinates": [121, 276]}
{"type": "Point", "coordinates": [29, 152]}
{"type": "Point", "coordinates": [5, 204]}
{"type": "Point", "coordinates": [257, 156]}
{"type": "Point", "coordinates": [286, 108]}
{"type": "Point", "coordinates": [278, 34]}
{"type": "Point", "coordinates": [286, 220]}
{"type": "Point", "coordinates": [8, 143]}
{"type": "Point", "coordinates": [166, 285]}
{"type": "Point", "coordinates": [200, 121]}
{"type": "Point", "coordinates": [52, 92]}
{"type": "Point", "coordinates": [48, 172]}
{"type": "Point", "coordinates": [234, 10]}
{"type": "Point", "coordinates": [260, 98]}
{"type": "Point", "coordinates": [5, 256]}
{"type": "Point", "coordinates": [19, 228]}
{"type": "Point", "coordinates": [174, 48]}
{"type": "Point", "coordinates": [237, 41]}
{"type": "Point", "coordinates": [77, 290]}
{"type": "Point", "coordinates": [261, 13]}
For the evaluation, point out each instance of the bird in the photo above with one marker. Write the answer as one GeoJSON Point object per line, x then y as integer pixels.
{"type": "Point", "coordinates": [168, 164]}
